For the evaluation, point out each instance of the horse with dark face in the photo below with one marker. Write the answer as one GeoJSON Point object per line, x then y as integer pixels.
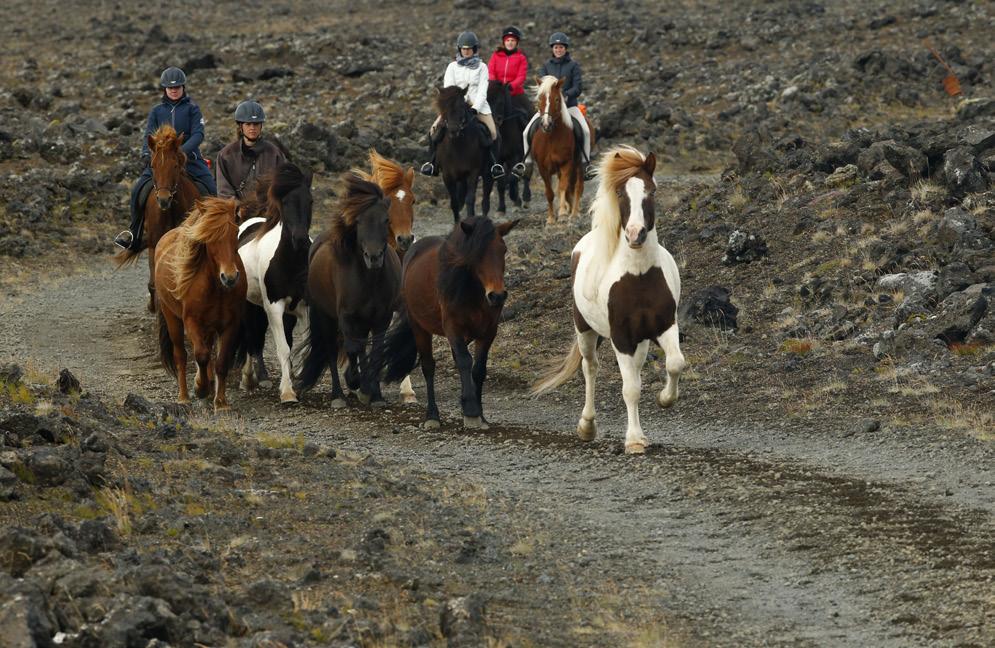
{"type": "Point", "coordinates": [275, 250]}
{"type": "Point", "coordinates": [353, 281]}
{"type": "Point", "coordinates": [461, 153]}
{"type": "Point", "coordinates": [453, 287]}
{"type": "Point", "coordinates": [200, 289]}
{"type": "Point", "coordinates": [510, 121]}
{"type": "Point", "coordinates": [173, 194]}
{"type": "Point", "coordinates": [626, 287]}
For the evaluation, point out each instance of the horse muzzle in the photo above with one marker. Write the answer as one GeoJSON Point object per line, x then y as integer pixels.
{"type": "Point", "coordinates": [547, 125]}
{"type": "Point", "coordinates": [636, 238]}
{"type": "Point", "coordinates": [404, 242]}
{"type": "Point", "coordinates": [229, 280]}
{"type": "Point", "coordinates": [373, 261]}
{"type": "Point", "coordinates": [164, 203]}
{"type": "Point", "coordinates": [497, 298]}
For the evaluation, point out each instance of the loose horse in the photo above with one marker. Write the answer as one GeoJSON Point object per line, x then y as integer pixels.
{"type": "Point", "coordinates": [174, 194]}
{"type": "Point", "coordinates": [353, 282]}
{"type": "Point", "coordinates": [454, 287]}
{"type": "Point", "coordinates": [510, 123]}
{"type": "Point", "coordinates": [556, 151]}
{"type": "Point", "coordinates": [200, 286]}
{"type": "Point", "coordinates": [626, 287]}
{"type": "Point", "coordinates": [461, 153]}
{"type": "Point", "coordinates": [275, 250]}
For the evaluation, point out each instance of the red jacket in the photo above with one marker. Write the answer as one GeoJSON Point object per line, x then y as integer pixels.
{"type": "Point", "coordinates": [509, 68]}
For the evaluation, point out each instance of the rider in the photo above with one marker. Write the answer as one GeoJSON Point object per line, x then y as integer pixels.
{"type": "Point", "coordinates": [241, 162]}
{"type": "Point", "coordinates": [184, 115]}
{"type": "Point", "coordinates": [469, 73]}
{"type": "Point", "coordinates": [560, 66]}
{"type": "Point", "coordinates": [509, 65]}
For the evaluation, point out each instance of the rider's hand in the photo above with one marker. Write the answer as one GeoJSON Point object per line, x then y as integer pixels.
{"type": "Point", "coordinates": [146, 160]}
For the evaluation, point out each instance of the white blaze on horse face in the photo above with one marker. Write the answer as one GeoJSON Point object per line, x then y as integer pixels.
{"type": "Point", "coordinates": [400, 194]}
{"type": "Point", "coordinates": [547, 121]}
{"type": "Point", "coordinates": [635, 188]}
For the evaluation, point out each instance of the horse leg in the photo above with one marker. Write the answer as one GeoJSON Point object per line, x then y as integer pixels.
{"type": "Point", "coordinates": [578, 192]}
{"type": "Point", "coordinates": [355, 335]}
{"type": "Point", "coordinates": [563, 189]}
{"type": "Point", "coordinates": [371, 363]}
{"type": "Point", "coordinates": [587, 344]}
{"type": "Point", "coordinates": [470, 194]}
{"type": "Point", "coordinates": [485, 197]}
{"type": "Point", "coordinates": [526, 191]}
{"type": "Point", "coordinates": [275, 316]}
{"type": "Point", "coordinates": [479, 375]}
{"type": "Point", "coordinates": [670, 343]}
{"type": "Point", "coordinates": [151, 306]}
{"type": "Point", "coordinates": [468, 392]}
{"type": "Point", "coordinates": [406, 391]}
{"type": "Point", "coordinates": [226, 351]}
{"type": "Point", "coordinates": [331, 329]}
{"type": "Point", "coordinates": [631, 366]}
{"type": "Point", "coordinates": [423, 340]}
{"type": "Point", "coordinates": [175, 327]}
{"type": "Point", "coordinates": [503, 185]}
{"type": "Point", "coordinates": [202, 354]}
{"type": "Point", "coordinates": [548, 181]}
{"type": "Point", "coordinates": [455, 201]}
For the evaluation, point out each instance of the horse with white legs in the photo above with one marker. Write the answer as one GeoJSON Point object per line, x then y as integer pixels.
{"type": "Point", "coordinates": [626, 287]}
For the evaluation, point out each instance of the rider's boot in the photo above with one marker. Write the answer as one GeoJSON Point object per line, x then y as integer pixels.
{"type": "Point", "coordinates": [431, 168]}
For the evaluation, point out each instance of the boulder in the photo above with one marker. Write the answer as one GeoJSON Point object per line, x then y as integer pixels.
{"type": "Point", "coordinates": [744, 247]}
{"type": "Point", "coordinates": [962, 172]}
{"type": "Point", "coordinates": [958, 314]}
{"type": "Point", "coordinates": [710, 306]}
{"type": "Point", "coordinates": [908, 161]}
{"type": "Point", "coordinates": [462, 621]}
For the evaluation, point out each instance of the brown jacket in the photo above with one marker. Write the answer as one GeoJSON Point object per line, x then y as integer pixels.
{"type": "Point", "coordinates": [240, 166]}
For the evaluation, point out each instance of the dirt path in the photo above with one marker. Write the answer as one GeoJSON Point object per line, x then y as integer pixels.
{"type": "Point", "coordinates": [747, 535]}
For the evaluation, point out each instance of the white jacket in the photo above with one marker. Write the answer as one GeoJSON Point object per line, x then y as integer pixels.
{"type": "Point", "coordinates": [473, 81]}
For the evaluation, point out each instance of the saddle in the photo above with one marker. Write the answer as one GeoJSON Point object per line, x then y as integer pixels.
{"type": "Point", "coordinates": [578, 131]}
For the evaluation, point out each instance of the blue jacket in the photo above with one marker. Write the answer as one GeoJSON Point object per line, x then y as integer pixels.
{"type": "Point", "coordinates": [564, 67]}
{"type": "Point", "coordinates": [183, 115]}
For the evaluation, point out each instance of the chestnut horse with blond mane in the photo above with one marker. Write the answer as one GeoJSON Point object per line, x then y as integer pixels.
{"type": "Point", "coordinates": [200, 287]}
{"type": "Point", "coordinates": [625, 287]}
{"type": "Point", "coordinates": [173, 194]}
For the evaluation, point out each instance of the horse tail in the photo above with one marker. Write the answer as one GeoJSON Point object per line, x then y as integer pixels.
{"type": "Point", "coordinates": [125, 257]}
{"type": "Point", "coordinates": [165, 344]}
{"type": "Point", "coordinates": [560, 373]}
{"type": "Point", "coordinates": [400, 350]}
{"type": "Point", "coordinates": [319, 350]}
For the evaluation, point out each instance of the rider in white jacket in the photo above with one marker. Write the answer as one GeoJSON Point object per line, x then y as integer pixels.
{"type": "Point", "coordinates": [470, 73]}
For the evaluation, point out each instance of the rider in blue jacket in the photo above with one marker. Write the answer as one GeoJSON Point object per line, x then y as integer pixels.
{"type": "Point", "coordinates": [177, 110]}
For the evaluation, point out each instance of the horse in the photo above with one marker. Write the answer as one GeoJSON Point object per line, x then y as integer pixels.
{"type": "Point", "coordinates": [454, 287]}
{"type": "Point", "coordinates": [174, 194]}
{"type": "Point", "coordinates": [461, 154]}
{"type": "Point", "coordinates": [510, 123]}
{"type": "Point", "coordinates": [556, 151]}
{"type": "Point", "coordinates": [626, 287]}
{"type": "Point", "coordinates": [200, 287]}
{"type": "Point", "coordinates": [274, 251]}
{"type": "Point", "coordinates": [353, 282]}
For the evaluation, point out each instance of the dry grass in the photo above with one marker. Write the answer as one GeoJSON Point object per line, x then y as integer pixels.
{"type": "Point", "coordinates": [276, 440]}
{"type": "Point", "coordinates": [924, 191]}
{"type": "Point", "coordinates": [799, 346]}
{"type": "Point", "coordinates": [738, 199]}
{"type": "Point", "coordinates": [119, 503]}
{"type": "Point", "coordinates": [16, 393]}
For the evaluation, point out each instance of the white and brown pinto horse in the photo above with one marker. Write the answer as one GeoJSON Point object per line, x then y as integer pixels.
{"type": "Point", "coordinates": [626, 287]}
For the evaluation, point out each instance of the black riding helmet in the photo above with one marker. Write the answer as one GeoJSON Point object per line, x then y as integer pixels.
{"type": "Point", "coordinates": [559, 38]}
{"type": "Point", "coordinates": [172, 77]}
{"type": "Point", "coordinates": [249, 112]}
{"type": "Point", "coordinates": [511, 31]}
{"type": "Point", "coordinates": [468, 39]}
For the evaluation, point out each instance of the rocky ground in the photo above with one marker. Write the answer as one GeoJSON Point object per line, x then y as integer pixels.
{"type": "Point", "coordinates": [826, 479]}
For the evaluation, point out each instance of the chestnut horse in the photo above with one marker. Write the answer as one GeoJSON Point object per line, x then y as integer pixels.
{"type": "Point", "coordinates": [200, 287]}
{"type": "Point", "coordinates": [353, 281]}
{"type": "Point", "coordinates": [556, 151]}
{"type": "Point", "coordinates": [173, 194]}
{"type": "Point", "coordinates": [453, 287]}
{"type": "Point", "coordinates": [625, 287]}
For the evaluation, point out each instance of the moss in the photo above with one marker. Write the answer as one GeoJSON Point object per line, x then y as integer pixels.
{"type": "Point", "coordinates": [24, 473]}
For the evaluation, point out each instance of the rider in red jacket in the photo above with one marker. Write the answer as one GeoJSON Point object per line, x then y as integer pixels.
{"type": "Point", "coordinates": [509, 64]}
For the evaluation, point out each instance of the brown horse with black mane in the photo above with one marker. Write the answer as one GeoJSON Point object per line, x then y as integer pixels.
{"type": "Point", "coordinates": [453, 287]}
{"type": "Point", "coordinates": [173, 194]}
{"type": "Point", "coordinates": [200, 287]}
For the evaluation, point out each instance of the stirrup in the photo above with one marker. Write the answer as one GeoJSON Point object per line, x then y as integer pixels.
{"type": "Point", "coordinates": [519, 169]}
{"type": "Point", "coordinates": [427, 169]}
{"type": "Point", "coordinates": [589, 171]}
{"type": "Point", "coordinates": [124, 239]}
{"type": "Point", "coordinates": [497, 171]}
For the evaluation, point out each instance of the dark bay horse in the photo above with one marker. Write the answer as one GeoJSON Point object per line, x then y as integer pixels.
{"type": "Point", "coordinates": [353, 283]}
{"type": "Point", "coordinates": [556, 151]}
{"type": "Point", "coordinates": [453, 287]}
{"type": "Point", "coordinates": [200, 289]}
{"type": "Point", "coordinates": [173, 194]}
{"type": "Point", "coordinates": [626, 287]}
{"type": "Point", "coordinates": [511, 122]}
{"type": "Point", "coordinates": [461, 153]}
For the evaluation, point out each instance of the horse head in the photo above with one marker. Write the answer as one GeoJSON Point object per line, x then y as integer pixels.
{"type": "Point", "coordinates": [499, 99]}
{"type": "Point", "coordinates": [222, 242]}
{"type": "Point", "coordinates": [364, 221]}
{"type": "Point", "coordinates": [396, 183]}
{"type": "Point", "coordinates": [485, 252]}
{"type": "Point", "coordinates": [637, 214]}
{"type": "Point", "coordinates": [168, 162]}
{"type": "Point", "coordinates": [292, 187]}
{"type": "Point", "coordinates": [455, 112]}
{"type": "Point", "coordinates": [550, 103]}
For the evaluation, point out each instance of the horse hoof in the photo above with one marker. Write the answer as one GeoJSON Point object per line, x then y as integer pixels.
{"type": "Point", "coordinates": [409, 399]}
{"type": "Point", "coordinates": [475, 423]}
{"type": "Point", "coordinates": [223, 407]}
{"type": "Point", "coordinates": [430, 424]}
{"type": "Point", "coordinates": [364, 399]}
{"type": "Point", "coordinates": [378, 404]}
{"type": "Point", "coordinates": [637, 447]}
{"type": "Point", "coordinates": [587, 429]}
{"type": "Point", "coordinates": [664, 401]}
{"type": "Point", "coordinates": [266, 383]}
{"type": "Point", "coordinates": [289, 401]}
{"type": "Point", "coordinates": [338, 403]}
{"type": "Point", "coordinates": [500, 214]}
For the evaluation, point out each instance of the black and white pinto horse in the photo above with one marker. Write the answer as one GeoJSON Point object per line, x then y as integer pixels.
{"type": "Point", "coordinates": [626, 287]}
{"type": "Point", "coordinates": [274, 250]}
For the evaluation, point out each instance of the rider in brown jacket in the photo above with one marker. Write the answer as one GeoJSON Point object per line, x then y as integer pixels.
{"type": "Point", "coordinates": [242, 162]}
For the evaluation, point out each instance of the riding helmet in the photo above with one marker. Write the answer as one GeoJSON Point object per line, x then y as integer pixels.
{"type": "Point", "coordinates": [511, 31]}
{"type": "Point", "coordinates": [172, 78]}
{"type": "Point", "coordinates": [559, 38]}
{"type": "Point", "coordinates": [249, 112]}
{"type": "Point", "coordinates": [468, 39]}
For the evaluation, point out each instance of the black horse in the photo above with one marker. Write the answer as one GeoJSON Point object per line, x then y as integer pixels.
{"type": "Point", "coordinates": [511, 119]}
{"type": "Point", "coordinates": [461, 153]}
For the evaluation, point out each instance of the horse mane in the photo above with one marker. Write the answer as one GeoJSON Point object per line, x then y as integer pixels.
{"type": "Point", "coordinates": [387, 173]}
{"type": "Point", "coordinates": [167, 137]}
{"type": "Point", "coordinates": [272, 188]}
{"type": "Point", "coordinates": [360, 194]}
{"type": "Point", "coordinates": [211, 220]}
{"type": "Point", "coordinates": [459, 253]}
{"type": "Point", "coordinates": [617, 166]}
{"type": "Point", "coordinates": [545, 89]}
{"type": "Point", "coordinates": [449, 98]}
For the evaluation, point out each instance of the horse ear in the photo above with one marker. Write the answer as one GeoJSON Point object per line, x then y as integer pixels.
{"type": "Point", "coordinates": [179, 140]}
{"type": "Point", "coordinates": [151, 141]}
{"type": "Point", "coordinates": [538, 80]}
{"type": "Point", "coordinates": [650, 163]}
{"type": "Point", "coordinates": [504, 228]}
{"type": "Point", "coordinates": [409, 176]}
{"type": "Point", "coordinates": [467, 227]}
{"type": "Point", "coordinates": [560, 82]}
{"type": "Point", "coordinates": [438, 90]}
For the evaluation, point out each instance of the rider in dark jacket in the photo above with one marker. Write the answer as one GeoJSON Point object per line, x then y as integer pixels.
{"type": "Point", "coordinates": [177, 110]}
{"type": "Point", "coordinates": [241, 163]}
